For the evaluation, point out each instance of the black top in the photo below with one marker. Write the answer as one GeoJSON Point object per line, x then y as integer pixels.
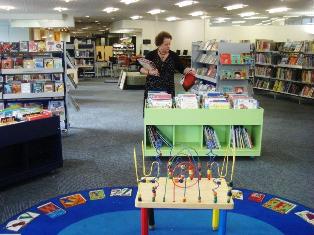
{"type": "Point", "coordinates": [166, 71]}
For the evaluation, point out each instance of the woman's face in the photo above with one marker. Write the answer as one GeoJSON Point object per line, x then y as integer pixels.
{"type": "Point", "coordinates": [165, 46]}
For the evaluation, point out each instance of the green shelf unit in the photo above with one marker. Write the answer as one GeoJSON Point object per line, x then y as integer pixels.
{"type": "Point", "coordinates": [184, 127]}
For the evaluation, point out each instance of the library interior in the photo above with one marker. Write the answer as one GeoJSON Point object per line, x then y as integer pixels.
{"type": "Point", "coordinates": [156, 117]}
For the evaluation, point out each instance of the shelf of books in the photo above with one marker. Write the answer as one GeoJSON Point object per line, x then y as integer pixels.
{"type": "Point", "coordinates": [212, 127]}
{"type": "Point", "coordinates": [84, 57]}
{"type": "Point", "coordinates": [287, 71]}
{"type": "Point", "coordinates": [32, 75]}
{"type": "Point", "coordinates": [223, 64]}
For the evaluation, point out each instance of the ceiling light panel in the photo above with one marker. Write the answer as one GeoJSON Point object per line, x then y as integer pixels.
{"type": "Point", "coordinates": [136, 17]}
{"type": "Point", "coordinates": [185, 3]}
{"type": "Point", "coordinates": [197, 13]}
{"type": "Point", "coordinates": [235, 6]}
{"type": "Point", "coordinates": [60, 9]}
{"type": "Point", "coordinates": [127, 2]}
{"type": "Point", "coordinates": [248, 14]}
{"type": "Point", "coordinates": [172, 18]}
{"type": "Point", "coordinates": [238, 22]}
{"type": "Point", "coordinates": [7, 8]}
{"type": "Point", "coordinates": [278, 10]}
{"type": "Point", "coordinates": [110, 9]}
{"type": "Point", "coordinates": [256, 18]}
{"type": "Point", "coordinates": [156, 11]}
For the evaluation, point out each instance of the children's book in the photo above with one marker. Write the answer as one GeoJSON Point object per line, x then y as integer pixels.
{"type": "Point", "coordinates": [25, 87]}
{"type": "Point", "coordinates": [52, 210]}
{"type": "Point", "coordinates": [235, 59]}
{"type": "Point", "coordinates": [59, 87]}
{"type": "Point", "coordinates": [39, 62]}
{"type": "Point", "coordinates": [16, 87]}
{"type": "Point", "coordinates": [96, 195]}
{"type": "Point", "coordinates": [225, 58]}
{"type": "Point", "coordinates": [41, 46]}
{"type": "Point", "coordinates": [28, 64]}
{"type": "Point", "coordinates": [15, 46]}
{"type": "Point", "coordinates": [23, 46]}
{"type": "Point", "coordinates": [124, 192]}
{"type": "Point", "coordinates": [38, 87]}
{"type": "Point", "coordinates": [279, 205]}
{"type": "Point", "coordinates": [7, 63]}
{"type": "Point", "coordinates": [57, 63]}
{"type": "Point", "coordinates": [48, 63]}
{"type": "Point", "coordinates": [32, 46]}
{"type": "Point", "coordinates": [237, 194]}
{"type": "Point", "coordinates": [257, 197]}
{"type": "Point", "coordinates": [72, 200]}
{"type": "Point", "coordinates": [49, 87]}
{"type": "Point", "coordinates": [18, 63]}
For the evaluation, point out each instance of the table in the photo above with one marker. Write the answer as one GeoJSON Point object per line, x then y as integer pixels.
{"type": "Point", "coordinates": [170, 196]}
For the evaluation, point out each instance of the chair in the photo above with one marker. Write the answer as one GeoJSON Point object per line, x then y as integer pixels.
{"type": "Point", "coordinates": [178, 52]}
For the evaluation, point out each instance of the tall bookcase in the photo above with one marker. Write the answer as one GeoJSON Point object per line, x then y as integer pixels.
{"type": "Point", "coordinates": [287, 70]}
{"type": "Point", "coordinates": [26, 78]}
{"type": "Point", "coordinates": [185, 127]}
{"type": "Point", "coordinates": [85, 57]}
{"type": "Point", "coordinates": [206, 59]}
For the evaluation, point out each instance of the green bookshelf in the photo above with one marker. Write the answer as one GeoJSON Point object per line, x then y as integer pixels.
{"type": "Point", "coordinates": [184, 128]}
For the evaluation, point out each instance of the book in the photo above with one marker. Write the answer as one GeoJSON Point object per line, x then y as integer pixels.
{"type": "Point", "coordinates": [41, 46]}
{"type": "Point", "coordinates": [32, 46]}
{"type": "Point", "coordinates": [39, 62]}
{"type": "Point", "coordinates": [307, 216]}
{"type": "Point", "coordinates": [38, 87]}
{"type": "Point", "coordinates": [7, 63]}
{"type": "Point", "coordinates": [18, 62]}
{"type": "Point", "coordinates": [8, 88]}
{"type": "Point", "coordinates": [57, 63]}
{"type": "Point", "coordinates": [48, 63]}
{"type": "Point", "coordinates": [57, 76]}
{"type": "Point", "coordinates": [15, 46]}
{"type": "Point", "coordinates": [16, 87]}
{"type": "Point", "coordinates": [279, 205]}
{"type": "Point", "coordinates": [49, 87]}
{"type": "Point", "coordinates": [59, 87]}
{"type": "Point", "coordinates": [257, 197]}
{"type": "Point", "coordinates": [225, 58]}
{"type": "Point", "coordinates": [58, 46]}
{"type": "Point", "coordinates": [26, 87]}
{"type": "Point", "coordinates": [235, 59]}
{"type": "Point", "coordinates": [23, 46]}
{"type": "Point", "coordinates": [6, 47]}
{"type": "Point", "coordinates": [28, 64]}
{"type": "Point", "coordinates": [49, 45]}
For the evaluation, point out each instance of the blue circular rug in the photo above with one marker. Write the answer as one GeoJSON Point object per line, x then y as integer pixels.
{"type": "Point", "coordinates": [112, 211]}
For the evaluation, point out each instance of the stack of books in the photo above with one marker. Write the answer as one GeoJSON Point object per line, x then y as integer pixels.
{"type": "Point", "coordinates": [240, 138]}
{"type": "Point", "coordinates": [215, 100]}
{"type": "Point", "coordinates": [159, 100]}
{"type": "Point", "coordinates": [242, 101]}
{"type": "Point", "coordinates": [186, 101]}
{"type": "Point", "coordinates": [211, 138]}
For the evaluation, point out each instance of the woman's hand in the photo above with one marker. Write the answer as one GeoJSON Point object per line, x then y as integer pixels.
{"type": "Point", "coordinates": [153, 72]}
{"type": "Point", "coordinates": [190, 70]}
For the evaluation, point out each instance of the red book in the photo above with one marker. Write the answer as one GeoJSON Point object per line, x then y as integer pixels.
{"type": "Point", "coordinates": [225, 58]}
{"type": "Point", "coordinates": [257, 197]}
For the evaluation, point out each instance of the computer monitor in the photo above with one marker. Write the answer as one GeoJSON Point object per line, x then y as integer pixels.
{"type": "Point", "coordinates": [178, 52]}
{"type": "Point", "coordinates": [185, 52]}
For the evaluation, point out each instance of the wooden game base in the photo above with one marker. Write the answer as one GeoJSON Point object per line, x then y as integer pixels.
{"type": "Point", "coordinates": [191, 195]}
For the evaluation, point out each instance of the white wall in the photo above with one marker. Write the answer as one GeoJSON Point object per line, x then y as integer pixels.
{"type": "Point", "coordinates": [187, 31]}
{"type": "Point", "coordinates": [8, 34]}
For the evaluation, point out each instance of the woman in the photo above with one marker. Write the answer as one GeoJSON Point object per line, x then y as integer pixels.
{"type": "Point", "coordinates": [166, 62]}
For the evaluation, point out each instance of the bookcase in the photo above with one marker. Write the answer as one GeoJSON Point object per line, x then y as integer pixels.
{"type": "Point", "coordinates": [185, 127]}
{"type": "Point", "coordinates": [33, 73]}
{"type": "Point", "coordinates": [222, 63]}
{"type": "Point", "coordinates": [85, 57]}
{"type": "Point", "coordinates": [29, 149]}
{"type": "Point", "coordinates": [286, 70]}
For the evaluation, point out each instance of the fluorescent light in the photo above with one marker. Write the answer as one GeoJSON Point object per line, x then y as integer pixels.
{"type": "Point", "coordinates": [185, 3]}
{"type": "Point", "coordinates": [256, 18]}
{"type": "Point", "coordinates": [220, 20]}
{"type": "Point", "coordinates": [60, 9]}
{"type": "Point", "coordinates": [278, 9]}
{"type": "Point", "coordinates": [87, 16]}
{"type": "Point", "coordinates": [259, 24]}
{"type": "Point", "coordinates": [238, 22]}
{"type": "Point", "coordinates": [172, 18]}
{"type": "Point", "coordinates": [205, 17]}
{"type": "Point", "coordinates": [127, 2]}
{"type": "Point", "coordinates": [67, 1]}
{"type": "Point", "coordinates": [235, 6]}
{"type": "Point", "coordinates": [265, 21]}
{"type": "Point", "coordinates": [96, 21]}
{"type": "Point", "coordinates": [7, 8]}
{"type": "Point", "coordinates": [197, 13]}
{"type": "Point", "coordinates": [155, 11]}
{"type": "Point", "coordinates": [136, 17]}
{"type": "Point", "coordinates": [290, 16]}
{"type": "Point", "coordinates": [248, 14]}
{"type": "Point", "coordinates": [102, 30]}
{"type": "Point", "coordinates": [110, 9]}
{"type": "Point", "coordinates": [85, 28]}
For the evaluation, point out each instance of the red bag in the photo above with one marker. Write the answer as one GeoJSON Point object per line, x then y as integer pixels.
{"type": "Point", "coordinates": [188, 81]}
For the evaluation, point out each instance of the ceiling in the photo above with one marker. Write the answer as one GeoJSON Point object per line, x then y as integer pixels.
{"type": "Point", "coordinates": [93, 8]}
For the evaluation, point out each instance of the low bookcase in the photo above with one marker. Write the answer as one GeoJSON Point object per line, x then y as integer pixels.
{"type": "Point", "coordinates": [184, 128]}
{"type": "Point", "coordinates": [29, 149]}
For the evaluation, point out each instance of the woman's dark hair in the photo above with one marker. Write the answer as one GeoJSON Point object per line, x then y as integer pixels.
{"type": "Point", "coordinates": [161, 36]}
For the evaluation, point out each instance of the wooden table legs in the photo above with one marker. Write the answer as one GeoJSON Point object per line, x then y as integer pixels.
{"type": "Point", "coordinates": [144, 221]}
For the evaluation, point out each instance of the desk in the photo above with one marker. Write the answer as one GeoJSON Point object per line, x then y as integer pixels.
{"type": "Point", "coordinates": [169, 196]}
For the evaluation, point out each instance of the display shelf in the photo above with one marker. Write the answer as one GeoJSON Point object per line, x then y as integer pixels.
{"type": "Point", "coordinates": [206, 78]}
{"type": "Point", "coordinates": [285, 93]}
{"type": "Point", "coordinates": [30, 71]}
{"type": "Point", "coordinates": [185, 128]}
{"type": "Point", "coordinates": [263, 64]}
{"type": "Point", "coordinates": [290, 66]}
{"type": "Point", "coordinates": [32, 95]}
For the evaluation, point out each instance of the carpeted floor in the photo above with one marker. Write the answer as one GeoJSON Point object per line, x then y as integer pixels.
{"type": "Point", "coordinates": [97, 151]}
